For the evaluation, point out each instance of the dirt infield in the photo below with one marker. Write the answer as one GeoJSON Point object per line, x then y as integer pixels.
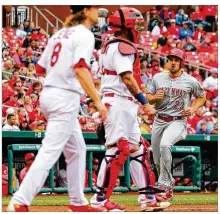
{"type": "Point", "coordinates": [173, 208]}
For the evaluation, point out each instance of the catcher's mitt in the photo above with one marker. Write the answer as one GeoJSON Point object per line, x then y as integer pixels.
{"type": "Point", "coordinates": [101, 133]}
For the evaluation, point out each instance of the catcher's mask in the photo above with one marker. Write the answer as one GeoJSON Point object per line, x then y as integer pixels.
{"type": "Point", "coordinates": [130, 21]}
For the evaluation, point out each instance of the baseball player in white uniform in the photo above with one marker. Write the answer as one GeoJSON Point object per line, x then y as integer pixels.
{"type": "Point", "coordinates": [120, 95]}
{"type": "Point", "coordinates": [66, 60]}
{"type": "Point", "coordinates": [171, 92]}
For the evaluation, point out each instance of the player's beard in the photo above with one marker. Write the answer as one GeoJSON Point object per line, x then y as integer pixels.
{"type": "Point", "coordinates": [174, 69]}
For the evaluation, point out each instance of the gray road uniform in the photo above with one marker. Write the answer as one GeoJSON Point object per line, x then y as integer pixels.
{"type": "Point", "coordinates": [169, 126]}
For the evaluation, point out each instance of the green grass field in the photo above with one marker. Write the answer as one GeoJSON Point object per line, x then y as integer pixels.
{"type": "Point", "coordinates": [126, 199]}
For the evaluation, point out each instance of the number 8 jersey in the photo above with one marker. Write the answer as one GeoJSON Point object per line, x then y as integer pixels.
{"type": "Point", "coordinates": [177, 92]}
{"type": "Point", "coordinates": [67, 49]}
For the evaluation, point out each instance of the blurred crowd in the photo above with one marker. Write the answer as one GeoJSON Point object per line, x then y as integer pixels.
{"type": "Point", "coordinates": [194, 31]}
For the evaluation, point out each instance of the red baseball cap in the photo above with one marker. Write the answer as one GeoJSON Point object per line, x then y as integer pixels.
{"type": "Point", "coordinates": [95, 161]}
{"type": "Point", "coordinates": [29, 156]}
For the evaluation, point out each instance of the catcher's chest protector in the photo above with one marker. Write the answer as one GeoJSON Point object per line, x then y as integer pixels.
{"type": "Point", "coordinates": [126, 47]}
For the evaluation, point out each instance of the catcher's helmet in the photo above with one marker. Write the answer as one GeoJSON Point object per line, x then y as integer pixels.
{"type": "Point", "coordinates": [130, 19]}
{"type": "Point", "coordinates": [176, 52]}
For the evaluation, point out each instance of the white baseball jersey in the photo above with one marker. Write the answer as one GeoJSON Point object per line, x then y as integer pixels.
{"type": "Point", "coordinates": [113, 60]}
{"type": "Point", "coordinates": [64, 49]}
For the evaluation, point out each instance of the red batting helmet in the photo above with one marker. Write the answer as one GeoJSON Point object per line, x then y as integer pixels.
{"type": "Point", "coordinates": [129, 18]}
{"type": "Point", "coordinates": [179, 53]}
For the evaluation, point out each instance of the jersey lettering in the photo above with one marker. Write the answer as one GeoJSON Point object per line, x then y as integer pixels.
{"type": "Point", "coordinates": [55, 55]}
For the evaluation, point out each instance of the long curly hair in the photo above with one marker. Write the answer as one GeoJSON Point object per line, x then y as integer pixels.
{"type": "Point", "coordinates": [74, 19]}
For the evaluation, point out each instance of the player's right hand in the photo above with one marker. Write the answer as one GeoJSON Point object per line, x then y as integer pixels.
{"type": "Point", "coordinates": [159, 95]}
{"type": "Point", "coordinates": [148, 109]}
{"type": "Point", "coordinates": [102, 110]}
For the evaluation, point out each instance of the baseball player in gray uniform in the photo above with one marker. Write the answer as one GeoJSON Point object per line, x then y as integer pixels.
{"type": "Point", "coordinates": [171, 93]}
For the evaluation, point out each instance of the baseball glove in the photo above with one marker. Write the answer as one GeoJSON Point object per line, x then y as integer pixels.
{"type": "Point", "coordinates": [101, 133]}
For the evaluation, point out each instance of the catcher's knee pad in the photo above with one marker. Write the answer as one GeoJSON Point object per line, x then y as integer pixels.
{"type": "Point", "coordinates": [122, 153]}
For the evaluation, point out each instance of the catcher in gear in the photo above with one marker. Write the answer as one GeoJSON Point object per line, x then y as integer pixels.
{"type": "Point", "coordinates": [121, 76]}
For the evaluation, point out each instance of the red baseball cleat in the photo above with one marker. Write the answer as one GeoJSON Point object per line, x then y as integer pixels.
{"type": "Point", "coordinates": [16, 208]}
{"type": "Point", "coordinates": [85, 208]}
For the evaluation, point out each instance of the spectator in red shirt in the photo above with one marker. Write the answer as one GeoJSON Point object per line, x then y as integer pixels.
{"type": "Point", "coordinates": [15, 77]}
{"type": "Point", "coordinates": [35, 33]}
{"type": "Point", "coordinates": [28, 159]}
{"type": "Point", "coordinates": [173, 29]}
{"type": "Point", "coordinates": [209, 12]}
{"type": "Point", "coordinates": [197, 15]}
{"type": "Point", "coordinates": [6, 91]}
{"type": "Point", "coordinates": [212, 62]}
{"type": "Point", "coordinates": [214, 38]}
{"type": "Point", "coordinates": [196, 118]}
{"type": "Point", "coordinates": [199, 34]}
{"type": "Point", "coordinates": [41, 34]}
{"type": "Point", "coordinates": [166, 48]}
{"type": "Point", "coordinates": [35, 101]}
{"type": "Point", "coordinates": [22, 114]}
{"type": "Point", "coordinates": [17, 86]}
{"type": "Point", "coordinates": [12, 103]}
{"type": "Point", "coordinates": [95, 166]}
{"type": "Point", "coordinates": [190, 130]}
{"type": "Point", "coordinates": [35, 88]}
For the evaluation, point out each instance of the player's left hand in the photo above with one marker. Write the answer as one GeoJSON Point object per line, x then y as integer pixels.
{"type": "Point", "coordinates": [102, 110]}
{"type": "Point", "coordinates": [148, 109]}
{"type": "Point", "coordinates": [188, 112]}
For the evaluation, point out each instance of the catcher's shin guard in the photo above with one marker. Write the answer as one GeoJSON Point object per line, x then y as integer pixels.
{"type": "Point", "coordinates": [116, 165]}
{"type": "Point", "coordinates": [140, 169]}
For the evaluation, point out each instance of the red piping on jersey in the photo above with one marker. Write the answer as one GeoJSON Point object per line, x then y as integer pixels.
{"type": "Point", "coordinates": [108, 72]}
{"type": "Point", "coordinates": [40, 70]}
{"type": "Point", "coordinates": [81, 64]}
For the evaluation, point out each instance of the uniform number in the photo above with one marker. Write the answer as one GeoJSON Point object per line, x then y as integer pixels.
{"type": "Point", "coordinates": [179, 105]}
{"type": "Point", "coordinates": [55, 55]}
